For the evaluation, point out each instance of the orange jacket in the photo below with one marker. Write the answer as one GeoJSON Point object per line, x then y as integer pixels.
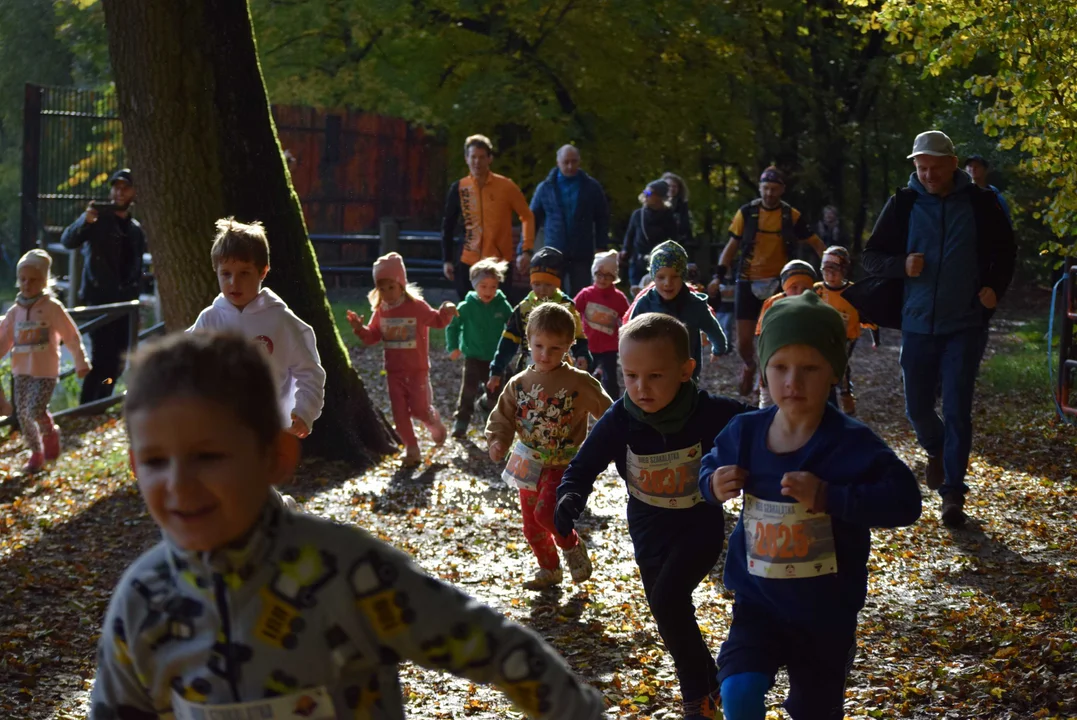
{"type": "Point", "coordinates": [487, 214]}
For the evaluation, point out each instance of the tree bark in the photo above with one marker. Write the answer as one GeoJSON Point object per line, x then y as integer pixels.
{"type": "Point", "coordinates": [202, 145]}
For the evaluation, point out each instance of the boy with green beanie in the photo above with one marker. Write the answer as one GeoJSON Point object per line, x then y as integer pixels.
{"type": "Point", "coordinates": [815, 482]}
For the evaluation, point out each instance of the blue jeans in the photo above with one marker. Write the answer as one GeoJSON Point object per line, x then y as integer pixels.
{"type": "Point", "coordinates": [953, 359]}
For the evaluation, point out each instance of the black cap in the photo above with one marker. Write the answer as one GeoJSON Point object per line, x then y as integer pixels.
{"type": "Point", "coordinates": [124, 174]}
{"type": "Point", "coordinates": [548, 260]}
{"type": "Point", "coordinates": [659, 188]}
{"type": "Point", "coordinates": [976, 158]}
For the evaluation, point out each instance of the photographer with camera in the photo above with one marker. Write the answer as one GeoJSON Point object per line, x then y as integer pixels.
{"type": "Point", "coordinates": [112, 244]}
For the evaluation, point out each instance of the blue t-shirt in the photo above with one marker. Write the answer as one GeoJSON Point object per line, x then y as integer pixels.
{"type": "Point", "coordinates": [812, 573]}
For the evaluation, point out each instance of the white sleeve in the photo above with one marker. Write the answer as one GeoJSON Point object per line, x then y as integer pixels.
{"type": "Point", "coordinates": [305, 366]}
{"type": "Point", "coordinates": [206, 321]}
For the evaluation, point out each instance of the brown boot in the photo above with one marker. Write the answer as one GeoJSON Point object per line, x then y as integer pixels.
{"type": "Point", "coordinates": [848, 403]}
{"type": "Point", "coordinates": [935, 475]}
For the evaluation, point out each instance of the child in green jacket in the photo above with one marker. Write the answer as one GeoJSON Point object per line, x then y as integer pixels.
{"type": "Point", "coordinates": [474, 333]}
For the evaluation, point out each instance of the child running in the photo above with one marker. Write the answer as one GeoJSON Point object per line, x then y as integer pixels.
{"type": "Point", "coordinates": [835, 266]}
{"type": "Point", "coordinates": [546, 406]}
{"type": "Point", "coordinates": [601, 306]}
{"type": "Point", "coordinates": [546, 268]}
{"type": "Point", "coordinates": [473, 334]}
{"type": "Point", "coordinates": [671, 296]}
{"type": "Point", "coordinates": [656, 436]}
{"type": "Point", "coordinates": [402, 321]}
{"type": "Point", "coordinates": [32, 331]}
{"type": "Point", "coordinates": [245, 611]}
{"type": "Point", "coordinates": [240, 256]}
{"type": "Point", "coordinates": [814, 483]}
{"type": "Point", "coordinates": [797, 277]}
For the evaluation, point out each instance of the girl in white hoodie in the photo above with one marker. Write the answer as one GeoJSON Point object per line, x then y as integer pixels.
{"type": "Point", "coordinates": [32, 331]}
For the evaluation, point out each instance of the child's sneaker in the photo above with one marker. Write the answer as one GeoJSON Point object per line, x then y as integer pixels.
{"type": "Point", "coordinates": [705, 708]}
{"type": "Point", "coordinates": [544, 579]}
{"type": "Point", "coordinates": [437, 431]}
{"type": "Point", "coordinates": [35, 464]}
{"type": "Point", "coordinates": [579, 565]}
{"type": "Point", "coordinates": [459, 429]}
{"type": "Point", "coordinates": [51, 442]}
{"type": "Point", "coordinates": [412, 457]}
{"type": "Point", "coordinates": [848, 403]}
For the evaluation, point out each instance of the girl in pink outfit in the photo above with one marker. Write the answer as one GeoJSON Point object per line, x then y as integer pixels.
{"type": "Point", "coordinates": [32, 331]}
{"type": "Point", "coordinates": [402, 320]}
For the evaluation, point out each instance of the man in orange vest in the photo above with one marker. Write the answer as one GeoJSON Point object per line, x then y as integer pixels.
{"type": "Point", "coordinates": [486, 201]}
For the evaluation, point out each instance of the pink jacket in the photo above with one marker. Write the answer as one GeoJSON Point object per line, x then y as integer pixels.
{"type": "Point", "coordinates": [33, 336]}
{"type": "Point", "coordinates": [404, 330]}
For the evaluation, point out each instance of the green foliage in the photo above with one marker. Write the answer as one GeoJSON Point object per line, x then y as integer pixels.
{"type": "Point", "coordinates": [1017, 60]}
{"type": "Point", "coordinates": [1019, 367]}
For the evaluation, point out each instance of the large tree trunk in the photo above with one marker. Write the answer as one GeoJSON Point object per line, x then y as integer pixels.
{"type": "Point", "coordinates": [202, 145]}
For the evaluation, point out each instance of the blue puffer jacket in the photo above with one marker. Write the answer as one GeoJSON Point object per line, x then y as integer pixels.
{"type": "Point", "coordinates": [590, 227]}
{"type": "Point", "coordinates": [944, 298]}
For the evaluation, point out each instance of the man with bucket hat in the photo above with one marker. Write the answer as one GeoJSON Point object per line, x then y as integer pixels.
{"type": "Point", "coordinates": [943, 252]}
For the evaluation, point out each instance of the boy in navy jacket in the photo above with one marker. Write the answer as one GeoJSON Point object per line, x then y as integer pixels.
{"type": "Point", "coordinates": [814, 483]}
{"type": "Point", "coordinates": [656, 434]}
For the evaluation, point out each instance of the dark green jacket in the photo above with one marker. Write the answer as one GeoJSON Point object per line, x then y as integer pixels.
{"type": "Point", "coordinates": [478, 327]}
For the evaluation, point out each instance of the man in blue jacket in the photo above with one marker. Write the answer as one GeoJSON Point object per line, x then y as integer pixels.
{"type": "Point", "coordinates": [951, 244]}
{"type": "Point", "coordinates": [571, 206]}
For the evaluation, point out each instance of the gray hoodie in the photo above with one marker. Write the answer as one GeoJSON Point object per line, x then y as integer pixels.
{"type": "Point", "coordinates": [307, 619]}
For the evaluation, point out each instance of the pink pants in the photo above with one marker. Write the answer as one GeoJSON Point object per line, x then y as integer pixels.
{"type": "Point", "coordinates": [410, 397]}
{"type": "Point", "coordinates": [538, 506]}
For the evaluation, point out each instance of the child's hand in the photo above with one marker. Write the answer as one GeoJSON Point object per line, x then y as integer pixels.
{"type": "Point", "coordinates": [83, 371]}
{"type": "Point", "coordinates": [581, 363]}
{"type": "Point", "coordinates": [455, 354]}
{"type": "Point", "coordinates": [493, 384]}
{"type": "Point", "coordinates": [449, 308]}
{"type": "Point", "coordinates": [727, 482]}
{"type": "Point", "coordinates": [802, 487]}
{"type": "Point", "coordinates": [356, 321]}
{"type": "Point", "coordinates": [497, 451]}
{"type": "Point", "coordinates": [299, 428]}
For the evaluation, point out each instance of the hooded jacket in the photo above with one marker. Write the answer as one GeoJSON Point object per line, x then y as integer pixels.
{"type": "Point", "coordinates": [308, 619]}
{"type": "Point", "coordinates": [33, 334]}
{"type": "Point", "coordinates": [290, 343]}
{"type": "Point", "coordinates": [477, 329]}
{"type": "Point", "coordinates": [690, 308]}
{"type": "Point", "coordinates": [588, 229]}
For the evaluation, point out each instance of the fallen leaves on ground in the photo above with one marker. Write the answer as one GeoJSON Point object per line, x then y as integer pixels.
{"type": "Point", "coordinates": [978, 623]}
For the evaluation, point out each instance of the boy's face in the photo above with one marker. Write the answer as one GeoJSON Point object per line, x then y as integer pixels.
{"type": "Point", "coordinates": [548, 349]}
{"type": "Point", "coordinates": [668, 283]}
{"type": "Point", "coordinates": [833, 272]}
{"type": "Point", "coordinates": [486, 288]}
{"type": "Point", "coordinates": [652, 372]}
{"type": "Point", "coordinates": [543, 290]}
{"type": "Point", "coordinates": [604, 280]}
{"type": "Point", "coordinates": [240, 281]}
{"type": "Point", "coordinates": [390, 291]}
{"type": "Point", "coordinates": [203, 474]}
{"type": "Point", "coordinates": [31, 281]}
{"type": "Point", "coordinates": [798, 285]}
{"type": "Point", "coordinates": [799, 379]}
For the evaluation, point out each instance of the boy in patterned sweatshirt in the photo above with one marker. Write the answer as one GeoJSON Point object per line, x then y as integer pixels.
{"type": "Point", "coordinates": [247, 610]}
{"type": "Point", "coordinates": [547, 406]}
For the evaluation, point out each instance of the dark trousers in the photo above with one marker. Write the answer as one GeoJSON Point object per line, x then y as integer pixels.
{"type": "Point", "coordinates": [952, 359]}
{"type": "Point", "coordinates": [607, 363]}
{"type": "Point", "coordinates": [668, 583]}
{"type": "Point", "coordinates": [109, 343]}
{"type": "Point", "coordinates": [472, 385]}
{"type": "Point", "coordinates": [577, 276]}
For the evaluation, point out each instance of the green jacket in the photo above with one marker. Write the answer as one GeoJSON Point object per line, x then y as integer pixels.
{"type": "Point", "coordinates": [478, 327]}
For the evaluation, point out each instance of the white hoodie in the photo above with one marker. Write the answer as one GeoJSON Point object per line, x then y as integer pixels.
{"type": "Point", "coordinates": [293, 354]}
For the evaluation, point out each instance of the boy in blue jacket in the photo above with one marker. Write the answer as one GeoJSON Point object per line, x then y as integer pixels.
{"type": "Point", "coordinates": [672, 296]}
{"type": "Point", "coordinates": [656, 434]}
{"type": "Point", "coordinates": [815, 482]}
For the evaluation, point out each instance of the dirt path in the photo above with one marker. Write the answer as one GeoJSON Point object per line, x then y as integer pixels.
{"type": "Point", "coordinates": [980, 623]}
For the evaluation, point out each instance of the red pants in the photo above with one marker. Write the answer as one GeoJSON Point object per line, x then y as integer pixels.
{"type": "Point", "coordinates": [410, 397]}
{"type": "Point", "coordinates": [538, 506]}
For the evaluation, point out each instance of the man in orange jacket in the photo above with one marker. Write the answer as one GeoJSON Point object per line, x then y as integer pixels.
{"type": "Point", "coordinates": [486, 201]}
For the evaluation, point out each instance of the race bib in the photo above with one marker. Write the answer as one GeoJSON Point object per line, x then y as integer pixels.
{"type": "Point", "coordinates": [784, 541]}
{"type": "Point", "coordinates": [669, 480]}
{"type": "Point", "coordinates": [399, 333]}
{"type": "Point", "coordinates": [601, 318]}
{"type": "Point", "coordinates": [523, 468]}
{"type": "Point", "coordinates": [30, 336]}
{"type": "Point", "coordinates": [312, 704]}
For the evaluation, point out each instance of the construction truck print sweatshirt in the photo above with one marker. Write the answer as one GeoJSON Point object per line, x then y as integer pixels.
{"type": "Point", "coordinates": [289, 342]}
{"type": "Point", "coordinates": [307, 619]}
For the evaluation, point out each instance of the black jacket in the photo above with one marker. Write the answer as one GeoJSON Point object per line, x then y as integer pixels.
{"type": "Point", "coordinates": [112, 250]}
{"type": "Point", "coordinates": [648, 228]}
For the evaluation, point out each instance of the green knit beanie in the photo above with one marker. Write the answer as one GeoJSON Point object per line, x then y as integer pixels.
{"type": "Point", "coordinates": [803, 320]}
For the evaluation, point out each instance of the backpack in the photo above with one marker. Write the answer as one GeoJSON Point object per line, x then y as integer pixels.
{"type": "Point", "coordinates": [750, 213]}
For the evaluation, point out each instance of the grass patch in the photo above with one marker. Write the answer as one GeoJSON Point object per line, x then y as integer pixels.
{"type": "Point", "coordinates": [361, 306]}
{"type": "Point", "coordinates": [1019, 366]}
